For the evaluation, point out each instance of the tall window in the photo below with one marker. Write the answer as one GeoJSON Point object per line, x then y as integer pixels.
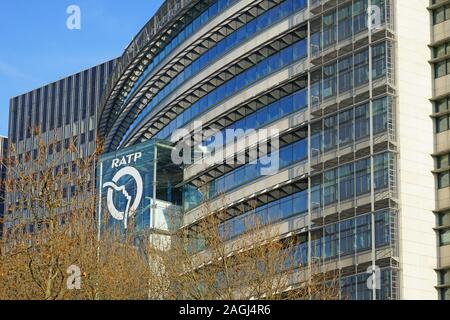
{"type": "Point", "coordinates": [441, 14]}
{"type": "Point", "coordinates": [60, 102]}
{"type": "Point", "coordinates": [93, 102]}
{"type": "Point", "coordinates": [45, 109]}
{"type": "Point", "coordinates": [85, 94]}
{"type": "Point", "coordinates": [53, 107]}
{"type": "Point", "coordinates": [76, 106]}
{"type": "Point", "coordinates": [69, 92]}
{"type": "Point", "coordinates": [37, 107]}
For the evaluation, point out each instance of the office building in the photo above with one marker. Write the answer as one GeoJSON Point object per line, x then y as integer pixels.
{"type": "Point", "coordinates": [61, 114]}
{"type": "Point", "coordinates": [3, 165]}
{"type": "Point", "coordinates": [440, 47]}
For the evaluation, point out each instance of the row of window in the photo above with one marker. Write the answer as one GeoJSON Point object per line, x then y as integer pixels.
{"type": "Point", "coordinates": [187, 31]}
{"type": "Point", "coordinates": [287, 155]}
{"type": "Point", "coordinates": [232, 40]}
{"type": "Point", "coordinates": [348, 73]}
{"type": "Point", "coordinates": [356, 288]}
{"type": "Point", "coordinates": [339, 184]}
{"type": "Point", "coordinates": [330, 242]}
{"type": "Point", "coordinates": [284, 208]}
{"type": "Point", "coordinates": [57, 146]}
{"type": "Point", "coordinates": [261, 70]}
{"type": "Point", "coordinates": [76, 97]}
{"type": "Point", "coordinates": [274, 111]}
{"type": "Point", "coordinates": [443, 123]}
{"type": "Point", "coordinates": [442, 68]}
{"type": "Point", "coordinates": [441, 50]}
{"type": "Point", "coordinates": [441, 14]}
{"type": "Point", "coordinates": [347, 181]}
{"type": "Point", "coordinates": [341, 129]}
{"type": "Point", "coordinates": [343, 23]}
{"type": "Point", "coordinates": [444, 235]}
{"type": "Point", "coordinates": [350, 126]}
{"type": "Point", "coordinates": [442, 105]}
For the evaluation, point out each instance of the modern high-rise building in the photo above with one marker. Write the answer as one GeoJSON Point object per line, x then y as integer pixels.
{"type": "Point", "coordinates": [3, 163]}
{"type": "Point", "coordinates": [440, 60]}
{"type": "Point", "coordinates": [60, 114]}
{"type": "Point", "coordinates": [347, 85]}
{"type": "Point", "coordinates": [361, 182]}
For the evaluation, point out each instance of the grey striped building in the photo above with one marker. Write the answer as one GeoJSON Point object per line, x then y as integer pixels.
{"type": "Point", "coordinates": [3, 155]}
{"type": "Point", "coordinates": [60, 113]}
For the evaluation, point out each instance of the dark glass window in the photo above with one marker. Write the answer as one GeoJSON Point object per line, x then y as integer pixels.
{"type": "Point", "coordinates": [60, 103]}
{"type": "Point", "coordinates": [69, 92]}
{"type": "Point", "coordinates": [45, 110]}
{"type": "Point", "coordinates": [85, 95]}
{"type": "Point", "coordinates": [444, 237]}
{"type": "Point", "coordinates": [29, 123]}
{"type": "Point", "coordinates": [14, 118]}
{"type": "Point", "coordinates": [37, 109]}
{"type": "Point", "coordinates": [91, 135]}
{"type": "Point", "coordinates": [93, 93]}
{"type": "Point", "coordinates": [53, 107]}
{"type": "Point", "coordinates": [76, 106]}
{"type": "Point", "coordinates": [443, 180]}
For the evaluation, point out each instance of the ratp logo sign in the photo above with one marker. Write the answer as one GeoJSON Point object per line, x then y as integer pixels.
{"type": "Point", "coordinates": [113, 187]}
{"type": "Point", "coordinates": [125, 182]}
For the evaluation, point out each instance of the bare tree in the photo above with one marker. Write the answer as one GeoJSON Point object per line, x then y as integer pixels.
{"type": "Point", "coordinates": [206, 263]}
{"type": "Point", "coordinates": [52, 226]}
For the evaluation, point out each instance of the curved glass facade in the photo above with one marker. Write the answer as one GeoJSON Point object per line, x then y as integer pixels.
{"type": "Point", "coordinates": [220, 49]}
{"type": "Point", "coordinates": [333, 98]}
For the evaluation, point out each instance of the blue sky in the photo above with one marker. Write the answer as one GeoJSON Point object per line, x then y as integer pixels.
{"type": "Point", "coordinates": [36, 47]}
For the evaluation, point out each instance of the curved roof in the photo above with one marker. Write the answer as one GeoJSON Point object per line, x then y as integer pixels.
{"type": "Point", "coordinates": [170, 10]}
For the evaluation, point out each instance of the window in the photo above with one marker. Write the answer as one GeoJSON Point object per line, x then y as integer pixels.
{"type": "Point", "coordinates": [379, 61]}
{"type": "Point", "coordinates": [441, 14]}
{"type": "Point", "coordinates": [69, 92]}
{"type": "Point", "coordinates": [442, 124]}
{"type": "Point", "coordinates": [444, 238]}
{"type": "Point", "coordinates": [444, 277]}
{"type": "Point", "coordinates": [330, 133]}
{"type": "Point", "coordinates": [444, 219]}
{"type": "Point", "coordinates": [67, 143]}
{"type": "Point", "coordinates": [445, 294]}
{"type": "Point", "coordinates": [77, 93]}
{"type": "Point", "coordinates": [53, 107]}
{"type": "Point", "coordinates": [345, 74]}
{"type": "Point", "coordinates": [380, 108]}
{"type": "Point", "coordinates": [346, 127]}
{"type": "Point", "coordinates": [346, 182]}
{"type": "Point", "coordinates": [60, 103]}
{"type": "Point", "coordinates": [361, 68]}
{"type": "Point", "coordinates": [443, 161]}
{"type": "Point", "coordinates": [345, 22]}
{"type": "Point", "coordinates": [443, 180]}
{"type": "Point", "coordinates": [91, 135]}
{"type": "Point", "coordinates": [362, 124]}
{"type": "Point", "coordinates": [441, 105]}
{"type": "Point", "coordinates": [440, 69]}
{"type": "Point", "coordinates": [330, 186]}
{"type": "Point", "coordinates": [441, 50]}
{"type": "Point", "coordinates": [45, 110]}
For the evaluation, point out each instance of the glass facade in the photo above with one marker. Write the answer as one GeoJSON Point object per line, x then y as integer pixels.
{"type": "Point", "coordinates": [126, 186]}
{"type": "Point", "coordinates": [336, 121]}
